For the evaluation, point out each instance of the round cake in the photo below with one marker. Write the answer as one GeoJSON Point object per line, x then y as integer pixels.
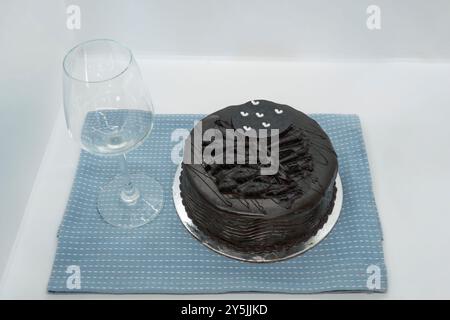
{"type": "Point", "coordinates": [244, 208]}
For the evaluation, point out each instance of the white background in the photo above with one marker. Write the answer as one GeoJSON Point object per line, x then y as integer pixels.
{"type": "Point", "coordinates": [32, 37]}
{"type": "Point", "coordinates": [202, 55]}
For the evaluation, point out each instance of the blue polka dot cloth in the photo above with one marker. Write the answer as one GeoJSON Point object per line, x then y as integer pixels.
{"type": "Point", "coordinates": [162, 257]}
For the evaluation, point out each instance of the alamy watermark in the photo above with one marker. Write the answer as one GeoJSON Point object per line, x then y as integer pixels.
{"type": "Point", "coordinates": [73, 281]}
{"type": "Point", "coordinates": [374, 279]}
{"type": "Point", "coordinates": [235, 146]}
{"type": "Point", "coordinates": [73, 21]}
{"type": "Point", "coordinates": [373, 21]}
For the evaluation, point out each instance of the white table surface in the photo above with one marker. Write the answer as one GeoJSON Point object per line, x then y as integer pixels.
{"type": "Point", "coordinates": [404, 109]}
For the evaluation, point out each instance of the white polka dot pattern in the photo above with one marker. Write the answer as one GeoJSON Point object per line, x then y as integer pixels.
{"type": "Point", "coordinates": [162, 257]}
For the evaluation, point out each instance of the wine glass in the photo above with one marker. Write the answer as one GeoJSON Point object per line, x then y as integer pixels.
{"type": "Point", "coordinates": [109, 111]}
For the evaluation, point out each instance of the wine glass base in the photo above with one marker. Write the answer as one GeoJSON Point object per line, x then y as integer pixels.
{"type": "Point", "coordinates": [130, 215]}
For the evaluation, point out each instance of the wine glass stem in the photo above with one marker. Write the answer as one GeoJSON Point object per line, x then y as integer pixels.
{"type": "Point", "coordinates": [129, 193]}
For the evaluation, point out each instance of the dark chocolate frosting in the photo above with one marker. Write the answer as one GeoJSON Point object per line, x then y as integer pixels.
{"type": "Point", "coordinates": [236, 204]}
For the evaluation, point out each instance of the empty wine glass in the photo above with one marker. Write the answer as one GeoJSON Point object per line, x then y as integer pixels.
{"type": "Point", "coordinates": [109, 110]}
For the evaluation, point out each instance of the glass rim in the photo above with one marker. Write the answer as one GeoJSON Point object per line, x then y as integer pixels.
{"type": "Point", "coordinates": [68, 74]}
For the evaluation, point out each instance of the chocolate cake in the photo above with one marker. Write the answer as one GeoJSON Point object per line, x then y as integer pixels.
{"type": "Point", "coordinates": [252, 212]}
